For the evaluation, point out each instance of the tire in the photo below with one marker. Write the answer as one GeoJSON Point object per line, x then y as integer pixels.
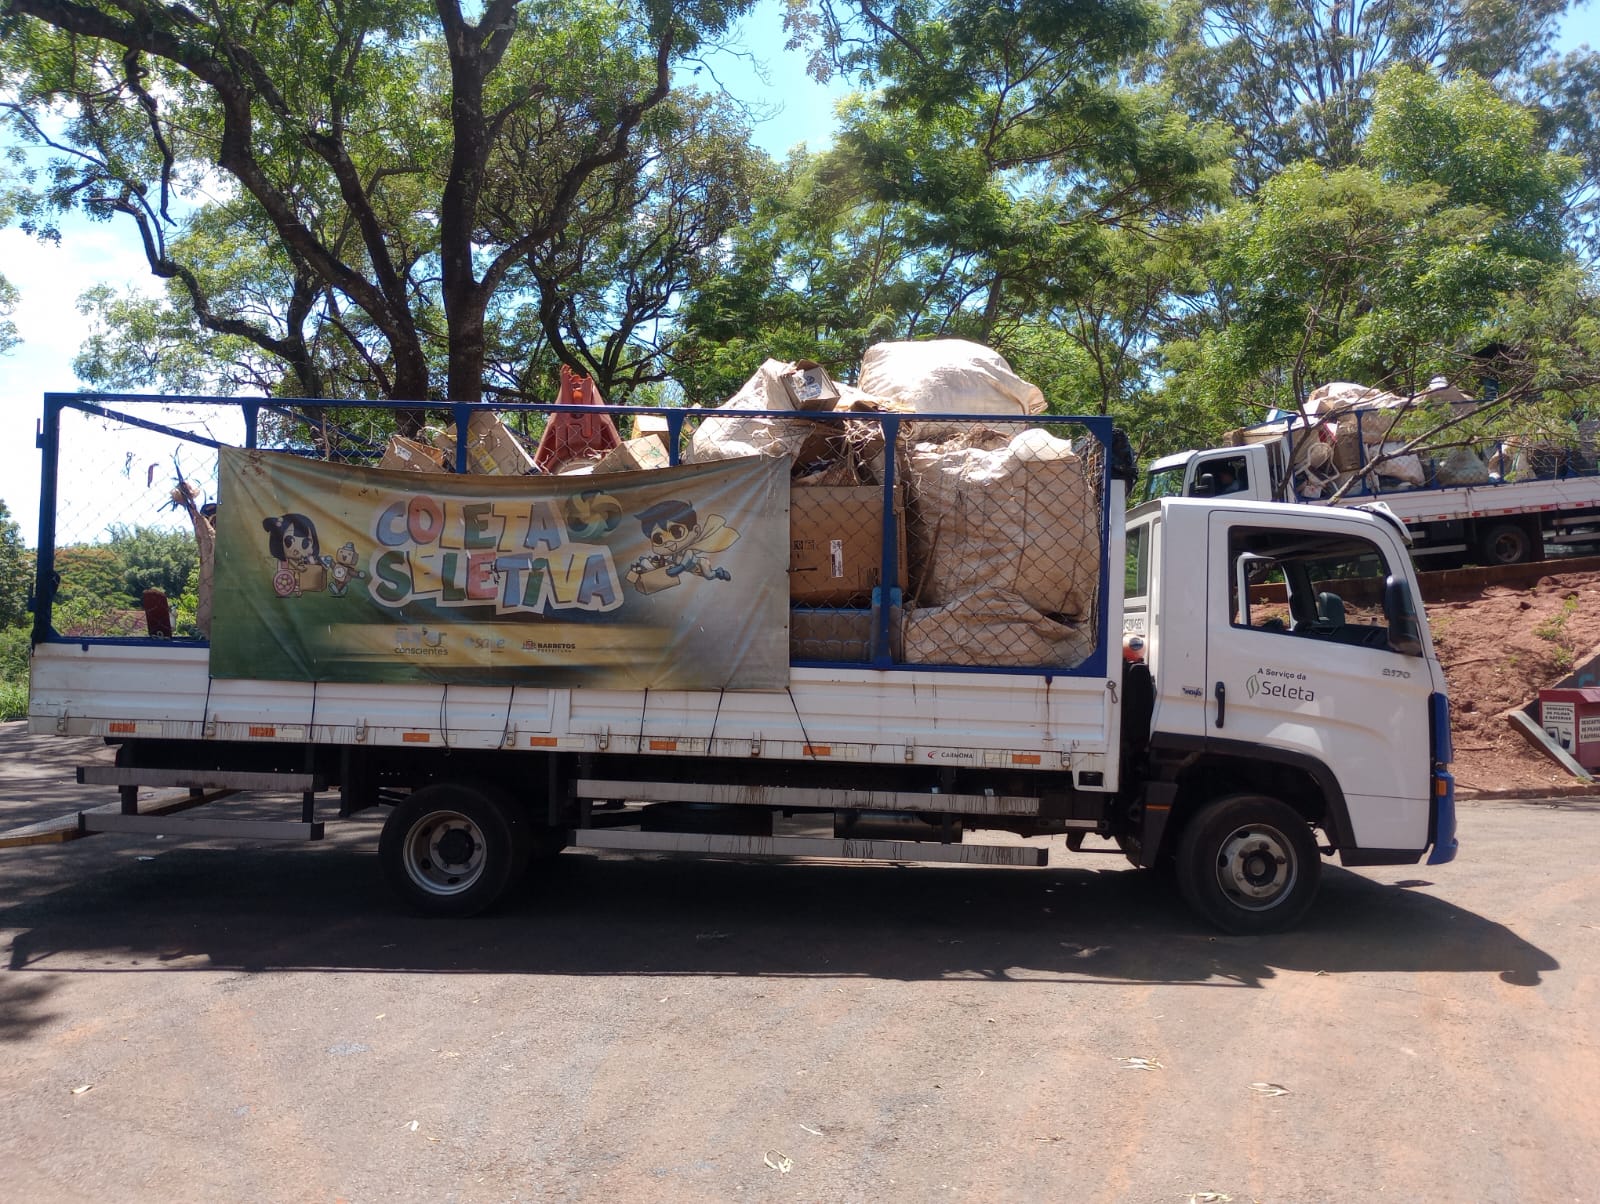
{"type": "Point", "coordinates": [453, 848]}
{"type": "Point", "coordinates": [1507, 543]}
{"type": "Point", "coordinates": [1248, 864]}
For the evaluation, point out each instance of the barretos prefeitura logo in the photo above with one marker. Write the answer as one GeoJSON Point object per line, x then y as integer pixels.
{"type": "Point", "coordinates": [1279, 683]}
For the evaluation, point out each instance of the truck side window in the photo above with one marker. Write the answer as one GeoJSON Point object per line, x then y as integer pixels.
{"type": "Point", "coordinates": [1136, 572]}
{"type": "Point", "coordinates": [1220, 475]}
{"type": "Point", "coordinates": [1314, 586]}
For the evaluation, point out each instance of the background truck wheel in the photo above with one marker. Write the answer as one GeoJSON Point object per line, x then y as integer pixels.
{"type": "Point", "coordinates": [1506, 543]}
{"type": "Point", "coordinates": [1249, 864]}
{"type": "Point", "coordinates": [452, 849]}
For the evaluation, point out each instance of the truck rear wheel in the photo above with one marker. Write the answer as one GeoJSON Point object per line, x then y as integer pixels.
{"type": "Point", "coordinates": [1249, 864]}
{"type": "Point", "coordinates": [452, 849]}
{"type": "Point", "coordinates": [1507, 543]}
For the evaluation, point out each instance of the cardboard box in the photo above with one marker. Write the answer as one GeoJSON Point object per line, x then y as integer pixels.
{"type": "Point", "coordinates": [492, 450]}
{"type": "Point", "coordinates": [651, 581]}
{"type": "Point", "coordinates": [809, 386]}
{"type": "Point", "coordinates": [635, 455]}
{"type": "Point", "coordinates": [654, 425]}
{"type": "Point", "coordinates": [836, 543]}
{"type": "Point", "coordinates": [407, 455]}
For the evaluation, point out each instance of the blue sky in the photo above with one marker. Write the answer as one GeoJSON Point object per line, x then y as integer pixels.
{"type": "Point", "coordinates": [50, 278]}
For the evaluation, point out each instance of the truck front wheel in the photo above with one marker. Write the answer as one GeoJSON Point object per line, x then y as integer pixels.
{"type": "Point", "coordinates": [452, 849]}
{"type": "Point", "coordinates": [1249, 864]}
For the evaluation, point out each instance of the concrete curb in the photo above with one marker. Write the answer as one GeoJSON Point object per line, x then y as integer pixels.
{"type": "Point", "coordinates": [1528, 793]}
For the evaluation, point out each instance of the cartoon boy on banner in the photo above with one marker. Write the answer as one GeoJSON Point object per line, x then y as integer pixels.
{"type": "Point", "coordinates": [682, 545]}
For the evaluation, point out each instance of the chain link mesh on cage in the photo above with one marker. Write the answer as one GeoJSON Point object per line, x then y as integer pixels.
{"type": "Point", "coordinates": [994, 529]}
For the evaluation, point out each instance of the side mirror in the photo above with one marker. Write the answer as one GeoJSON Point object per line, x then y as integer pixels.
{"type": "Point", "coordinates": [1401, 613]}
{"type": "Point", "coordinates": [1204, 485]}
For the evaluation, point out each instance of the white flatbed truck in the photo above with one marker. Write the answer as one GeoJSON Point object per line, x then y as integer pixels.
{"type": "Point", "coordinates": [1253, 738]}
{"type": "Point", "coordinates": [1497, 523]}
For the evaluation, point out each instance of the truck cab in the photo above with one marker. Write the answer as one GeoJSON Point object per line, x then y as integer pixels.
{"type": "Point", "coordinates": [1292, 674]}
{"type": "Point", "coordinates": [1226, 471]}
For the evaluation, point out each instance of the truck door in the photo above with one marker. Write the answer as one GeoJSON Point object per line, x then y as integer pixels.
{"type": "Point", "coordinates": [1298, 665]}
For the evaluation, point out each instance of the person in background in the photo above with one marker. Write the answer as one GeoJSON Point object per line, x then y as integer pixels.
{"type": "Point", "coordinates": [1228, 480]}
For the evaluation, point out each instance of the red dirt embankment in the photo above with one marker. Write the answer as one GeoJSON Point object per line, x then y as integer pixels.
{"type": "Point", "coordinates": [1499, 645]}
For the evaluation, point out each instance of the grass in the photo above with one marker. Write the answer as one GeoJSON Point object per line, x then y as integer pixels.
{"type": "Point", "coordinates": [13, 700]}
{"type": "Point", "coordinates": [13, 673]}
{"type": "Point", "coordinates": [1554, 630]}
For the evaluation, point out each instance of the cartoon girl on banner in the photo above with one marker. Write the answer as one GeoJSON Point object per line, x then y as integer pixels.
{"type": "Point", "coordinates": [292, 542]}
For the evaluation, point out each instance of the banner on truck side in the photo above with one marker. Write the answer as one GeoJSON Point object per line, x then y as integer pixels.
{"type": "Point", "coordinates": [675, 579]}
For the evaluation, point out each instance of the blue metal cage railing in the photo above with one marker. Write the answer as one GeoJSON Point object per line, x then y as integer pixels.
{"type": "Point", "coordinates": [332, 430]}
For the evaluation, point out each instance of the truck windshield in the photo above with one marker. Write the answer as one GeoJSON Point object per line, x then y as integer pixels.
{"type": "Point", "coordinates": [1163, 482]}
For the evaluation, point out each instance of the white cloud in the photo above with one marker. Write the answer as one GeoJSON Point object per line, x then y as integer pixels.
{"type": "Point", "coordinates": [50, 278]}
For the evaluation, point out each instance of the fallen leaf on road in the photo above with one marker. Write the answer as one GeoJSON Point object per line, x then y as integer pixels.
{"type": "Point", "coordinates": [813, 1132]}
{"type": "Point", "coordinates": [412, 1126]}
{"type": "Point", "coordinates": [1142, 1064]}
{"type": "Point", "coordinates": [81, 1090]}
{"type": "Point", "coordinates": [1209, 1197]}
{"type": "Point", "coordinates": [1269, 1089]}
{"type": "Point", "coordinates": [783, 1165]}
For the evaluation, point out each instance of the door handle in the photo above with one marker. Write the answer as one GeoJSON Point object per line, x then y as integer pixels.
{"type": "Point", "coordinates": [1221, 693]}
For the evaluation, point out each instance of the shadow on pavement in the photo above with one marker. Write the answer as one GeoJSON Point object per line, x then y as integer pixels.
{"type": "Point", "coordinates": [327, 909]}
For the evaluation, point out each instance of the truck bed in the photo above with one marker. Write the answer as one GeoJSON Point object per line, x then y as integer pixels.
{"type": "Point", "coordinates": [162, 690]}
{"type": "Point", "coordinates": [1444, 504]}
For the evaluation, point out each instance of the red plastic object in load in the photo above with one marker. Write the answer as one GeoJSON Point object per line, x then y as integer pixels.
{"type": "Point", "coordinates": [157, 614]}
{"type": "Point", "coordinates": [569, 437]}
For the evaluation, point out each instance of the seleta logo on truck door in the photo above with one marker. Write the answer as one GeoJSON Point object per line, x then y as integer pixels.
{"type": "Point", "coordinates": [1279, 683]}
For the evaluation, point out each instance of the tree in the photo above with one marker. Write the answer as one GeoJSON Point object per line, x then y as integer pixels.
{"type": "Point", "coordinates": [1296, 81]}
{"type": "Point", "coordinates": [8, 306]}
{"type": "Point", "coordinates": [16, 571]}
{"type": "Point", "coordinates": [973, 194]}
{"type": "Point", "coordinates": [153, 558]}
{"type": "Point", "coordinates": [357, 143]}
{"type": "Point", "coordinates": [90, 574]}
{"type": "Point", "coordinates": [653, 227]}
{"type": "Point", "coordinates": [1394, 271]}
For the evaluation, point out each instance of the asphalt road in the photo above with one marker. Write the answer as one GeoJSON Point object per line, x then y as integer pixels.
{"type": "Point", "coordinates": [219, 1022]}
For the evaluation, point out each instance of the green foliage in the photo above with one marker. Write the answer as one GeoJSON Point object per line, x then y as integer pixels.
{"type": "Point", "coordinates": [101, 584]}
{"type": "Point", "coordinates": [16, 571]}
{"type": "Point", "coordinates": [1389, 273]}
{"type": "Point", "coordinates": [387, 169]}
{"type": "Point", "coordinates": [14, 649]}
{"type": "Point", "coordinates": [153, 558]}
{"type": "Point", "coordinates": [13, 700]}
{"type": "Point", "coordinates": [1554, 630]}
{"type": "Point", "coordinates": [8, 306]}
{"type": "Point", "coordinates": [91, 573]}
{"type": "Point", "coordinates": [1296, 82]}
{"type": "Point", "coordinates": [995, 187]}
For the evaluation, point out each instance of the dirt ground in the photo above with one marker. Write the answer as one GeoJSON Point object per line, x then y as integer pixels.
{"type": "Point", "coordinates": [1499, 646]}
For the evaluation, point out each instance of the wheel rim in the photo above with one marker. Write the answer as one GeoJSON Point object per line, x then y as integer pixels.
{"type": "Point", "coordinates": [1506, 547]}
{"type": "Point", "coordinates": [1256, 867]}
{"type": "Point", "coordinates": [445, 853]}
